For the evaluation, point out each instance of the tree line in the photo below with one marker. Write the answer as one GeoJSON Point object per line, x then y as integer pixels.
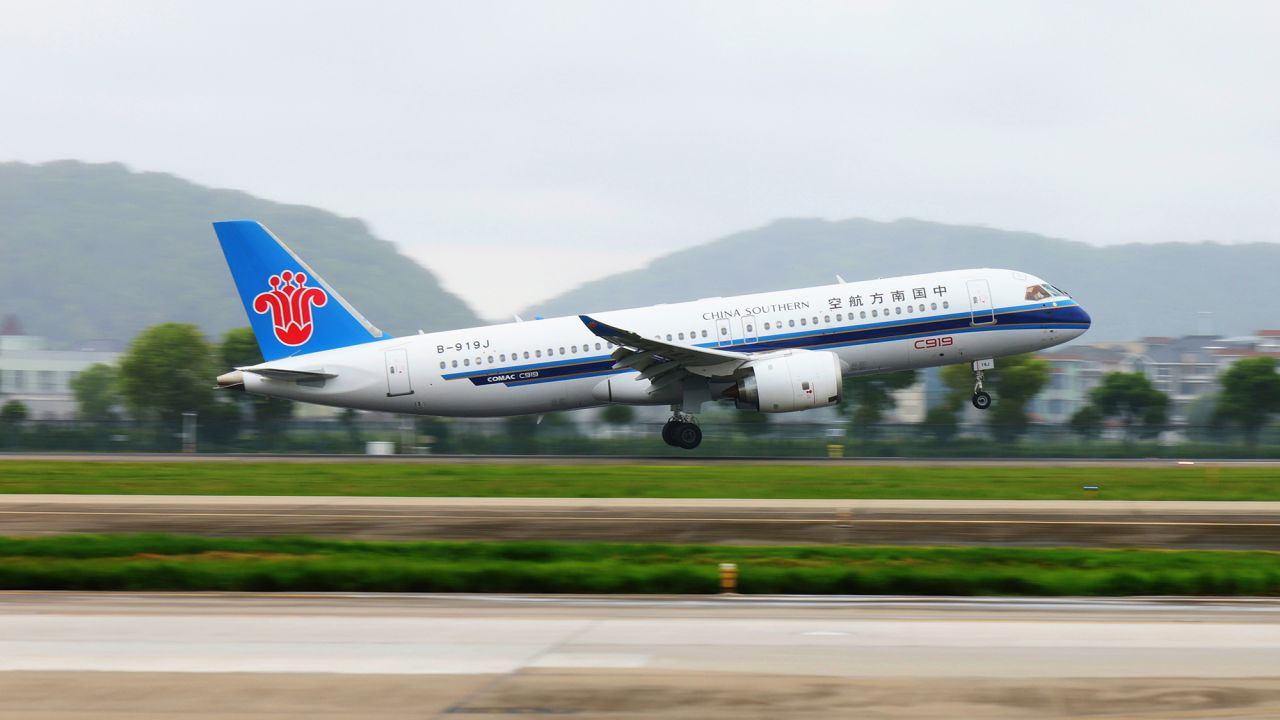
{"type": "Point", "coordinates": [168, 370]}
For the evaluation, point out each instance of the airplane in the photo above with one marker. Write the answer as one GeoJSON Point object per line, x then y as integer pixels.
{"type": "Point", "coordinates": [772, 352]}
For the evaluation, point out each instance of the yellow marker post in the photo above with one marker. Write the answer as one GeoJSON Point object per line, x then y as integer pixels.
{"type": "Point", "coordinates": [728, 579]}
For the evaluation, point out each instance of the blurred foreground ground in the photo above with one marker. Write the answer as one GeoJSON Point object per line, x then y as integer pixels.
{"type": "Point", "coordinates": [204, 656]}
{"type": "Point", "coordinates": [1043, 523]}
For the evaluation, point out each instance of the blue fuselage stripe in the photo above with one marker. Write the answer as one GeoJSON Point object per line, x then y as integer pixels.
{"type": "Point", "coordinates": [1061, 315]}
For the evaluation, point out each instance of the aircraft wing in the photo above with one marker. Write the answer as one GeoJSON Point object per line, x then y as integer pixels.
{"type": "Point", "coordinates": [664, 362]}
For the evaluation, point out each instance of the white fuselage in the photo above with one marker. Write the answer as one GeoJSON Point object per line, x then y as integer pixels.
{"type": "Point", "coordinates": [558, 364]}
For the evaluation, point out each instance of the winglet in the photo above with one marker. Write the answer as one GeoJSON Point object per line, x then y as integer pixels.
{"type": "Point", "coordinates": [601, 329]}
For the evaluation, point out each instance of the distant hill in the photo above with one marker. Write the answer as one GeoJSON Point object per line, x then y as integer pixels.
{"type": "Point", "coordinates": [97, 251]}
{"type": "Point", "coordinates": [1131, 290]}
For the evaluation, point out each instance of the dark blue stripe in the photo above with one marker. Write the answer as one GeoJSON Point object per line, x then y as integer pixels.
{"type": "Point", "coordinates": [1065, 316]}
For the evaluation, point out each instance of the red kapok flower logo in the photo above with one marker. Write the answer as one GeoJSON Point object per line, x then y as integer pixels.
{"type": "Point", "coordinates": [290, 301]}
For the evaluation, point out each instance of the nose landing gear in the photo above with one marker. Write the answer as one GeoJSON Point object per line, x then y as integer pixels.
{"type": "Point", "coordinates": [981, 399]}
{"type": "Point", "coordinates": [680, 431]}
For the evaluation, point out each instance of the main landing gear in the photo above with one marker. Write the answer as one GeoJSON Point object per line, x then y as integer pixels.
{"type": "Point", "coordinates": [981, 399]}
{"type": "Point", "coordinates": [680, 431]}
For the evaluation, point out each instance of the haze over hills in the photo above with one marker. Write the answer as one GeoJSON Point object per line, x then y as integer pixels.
{"type": "Point", "coordinates": [96, 251]}
{"type": "Point", "coordinates": [1131, 291]}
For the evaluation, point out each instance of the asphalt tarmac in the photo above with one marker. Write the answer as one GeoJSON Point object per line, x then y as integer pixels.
{"type": "Point", "coordinates": [205, 656]}
{"type": "Point", "coordinates": [1087, 523]}
{"type": "Point", "coordinates": [689, 459]}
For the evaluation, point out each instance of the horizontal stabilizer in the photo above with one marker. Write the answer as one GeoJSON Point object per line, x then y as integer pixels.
{"type": "Point", "coordinates": [288, 375]}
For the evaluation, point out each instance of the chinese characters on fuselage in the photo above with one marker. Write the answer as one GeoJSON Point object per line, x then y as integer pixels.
{"type": "Point", "coordinates": [837, 303]}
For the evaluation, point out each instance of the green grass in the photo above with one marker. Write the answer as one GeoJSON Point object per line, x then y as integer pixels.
{"type": "Point", "coordinates": [1198, 482]}
{"type": "Point", "coordinates": [162, 562]}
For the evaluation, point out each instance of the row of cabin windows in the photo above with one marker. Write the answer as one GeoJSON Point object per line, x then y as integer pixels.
{"type": "Point", "coordinates": [862, 315]}
{"type": "Point", "coordinates": [694, 335]}
{"type": "Point", "coordinates": [526, 355]}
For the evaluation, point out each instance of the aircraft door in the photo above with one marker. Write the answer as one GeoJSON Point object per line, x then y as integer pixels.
{"type": "Point", "coordinates": [980, 307]}
{"type": "Point", "coordinates": [749, 330]}
{"type": "Point", "coordinates": [398, 373]}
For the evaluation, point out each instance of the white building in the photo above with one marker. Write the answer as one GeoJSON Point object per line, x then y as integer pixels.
{"type": "Point", "coordinates": [40, 378]}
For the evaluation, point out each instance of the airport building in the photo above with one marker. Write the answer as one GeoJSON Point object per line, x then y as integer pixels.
{"type": "Point", "coordinates": [39, 377]}
{"type": "Point", "coordinates": [1186, 369]}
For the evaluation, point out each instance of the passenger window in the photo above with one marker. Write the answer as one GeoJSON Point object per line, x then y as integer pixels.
{"type": "Point", "coordinates": [933, 306]}
{"type": "Point", "coordinates": [897, 311]}
{"type": "Point", "coordinates": [945, 304]}
{"type": "Point", "coordinates": [441, 364]}
{"type": "Point", "coordinates": [791, 323]}
{"type": "Point", "coordinates": [826, 318]}
{"type": "Point", "coordinates": [503, 357]}
{"type": "Point", "coordinates": [466, 361]}
{"type": "Point", "coordinates": [724, 331]}
{"type": "Point", "coordinates": [802, 321]}
{"type": "Point", "coordinates": [681, 336]}
{"type": "Point", "coordinates": [704, 333]}
{"type": "Point", "coordinates": [862, 314]}
{"type": "Point", "coordinates": [751, 328]}
{"type": "Point", "coordinates": [839, 317]}
{"type": "Point", "coordinates": [875, 313]}
{"type": "Point", "coordinates": [910, 309]}
{"type": "Point", "coordinates": [815, 319]}
{"type": "Point", "coordinates": [455, 363]}
{"type": "Point", "coordinates": [597, 346]}
{"type": "Point", "coordinates": [490, 359]}
{"type": "Point", "coordinates": [668, 337]}
{"type": "Point", "coordinates": [921, 307]}
{"type": "Point", "coordinates": [562, 351]}
{"type": "Point", "coordinates": [526, 354]}
{"type": "Point", "coordinates": [538, 353]}
{"type": "Point", "coordinates": [766, 326]}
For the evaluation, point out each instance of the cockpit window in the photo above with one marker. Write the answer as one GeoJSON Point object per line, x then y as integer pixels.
{"type": "Point", "coordinates": [1041, 292]}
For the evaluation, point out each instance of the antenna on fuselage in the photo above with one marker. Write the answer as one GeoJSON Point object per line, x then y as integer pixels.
{"type": "Point", "coordinates": [840, 279]}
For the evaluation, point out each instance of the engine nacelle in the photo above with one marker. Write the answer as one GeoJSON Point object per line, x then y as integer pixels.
{"type": "Point", "coordinates": [788, 381]}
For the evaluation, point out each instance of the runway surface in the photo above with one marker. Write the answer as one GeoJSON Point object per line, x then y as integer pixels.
{"type": "Point", "coordinates": [690, 459]}
{"type": "Point", "coordinates": [144, 656]}
{"type": "Point", "coordinates": [1230, 525]}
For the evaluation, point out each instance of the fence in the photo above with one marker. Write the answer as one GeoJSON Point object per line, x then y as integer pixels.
{"type": "Point", "coordinates": [557, 436]}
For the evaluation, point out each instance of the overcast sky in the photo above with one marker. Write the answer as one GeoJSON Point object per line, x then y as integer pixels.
{"type": "Point", "coordinates": [520, 148]}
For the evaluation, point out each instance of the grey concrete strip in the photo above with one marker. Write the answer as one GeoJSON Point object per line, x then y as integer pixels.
{"type": "Point", "coordinates": [1224, 525]}
{"type": "Point", "coordinates": [1091, 506]}
{"type": "Point", "coordinates": [439, 635]}
{"type": "Point", "coordinates": [692, 459]}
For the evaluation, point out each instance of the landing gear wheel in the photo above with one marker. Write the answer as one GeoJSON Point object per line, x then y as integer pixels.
{"type": "Point", "coordinates": [669, 432]}
{"type": "Point", "coordinates": [687, 435]}
{"type": "Point", "coordinates": [981, 400]}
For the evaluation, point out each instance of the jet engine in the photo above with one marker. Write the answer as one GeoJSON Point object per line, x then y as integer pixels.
{"type": "Point", "coordinates": [788, 381]}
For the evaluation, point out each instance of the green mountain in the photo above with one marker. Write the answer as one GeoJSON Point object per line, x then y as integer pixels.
{"type": "Point", "coordinates": [1131, 291]}
{"type": "Point", "coordinates": [96, 251]}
